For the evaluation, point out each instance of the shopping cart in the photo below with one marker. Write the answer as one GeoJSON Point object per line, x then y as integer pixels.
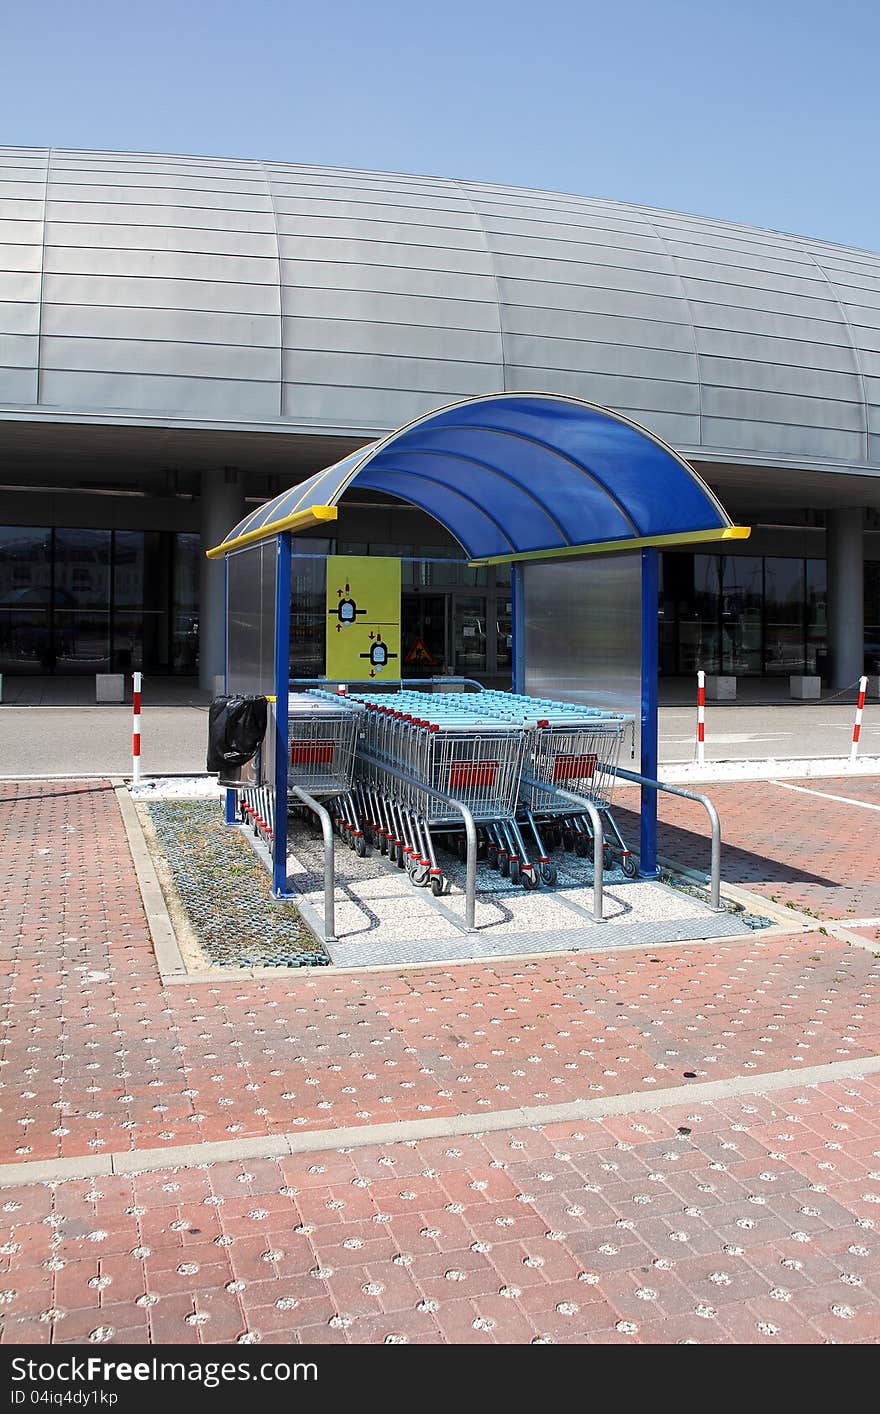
{"type": "Point", "coordinates": [574, 754]}
{"type": "Point", "coordinates": [322, 737]}
{"type": "Point", "coordinates": [521, 765]}
{"type": "Point", "coordinates": [571, 751]}
{"type": "Point", "coordinates": [418, 759]}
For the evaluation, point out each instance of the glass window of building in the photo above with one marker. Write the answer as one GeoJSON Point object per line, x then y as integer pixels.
{"type": "Point", "coordinates": [25, 598]}
{"type": "Point", "coordinates": [469, 635]}
{"type": "Point", "coordinates": [872, 616]}
{"type": "Point", "coordinates": [741, 595]}
{"type": "Point", "coordinates": [817, 616]}
{"type": "Point", "coordinates": [185, 604]}
{"type": "Point", "coordinates": [784, 616]}
{"type": "Point", "coordinates": [698, 628]}
{"type": "Point", "coordinates": [81, 602]}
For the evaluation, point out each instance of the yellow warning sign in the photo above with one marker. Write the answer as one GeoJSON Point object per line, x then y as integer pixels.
{"type": "Point", "coordinates": [363, 617]}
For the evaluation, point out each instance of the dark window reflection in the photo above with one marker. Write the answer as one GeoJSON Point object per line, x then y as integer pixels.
{"type": "Point", "coordinates": [82, 569]}
{"type": "Point", "coordinates": [25, 598]}
{"type": "Point", "coordinates": [741, 594]}
{"type": "Point", "coordinates": [25, 567]}
{"type": "Point", "coordinates": [25, 645]}
{"type": "Point", "coordinates": [81, 641]}
{"type": "Point", "coordinates": [817, 615]}
{"type": "Point", "coordinates": [872, 615]}
{"type": "Point", "coordinates": [699, 629]}
{"type": "Point", "coordinates": [185, 604]}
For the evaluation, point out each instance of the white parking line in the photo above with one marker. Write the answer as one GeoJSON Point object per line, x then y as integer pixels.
{"type": "Point", "coordinates": [826, 795]}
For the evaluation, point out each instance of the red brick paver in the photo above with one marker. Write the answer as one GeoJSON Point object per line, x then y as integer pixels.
{"type": "Point", "coordinates": [749, 1221]}
{"type": "Point", "coordinates": [808, 850]}
{"type": "Point", "coordinates": [100, 1057]}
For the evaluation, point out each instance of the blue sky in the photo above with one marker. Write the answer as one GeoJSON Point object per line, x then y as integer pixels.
{"type": "Point", "coordinates": [765, 113]}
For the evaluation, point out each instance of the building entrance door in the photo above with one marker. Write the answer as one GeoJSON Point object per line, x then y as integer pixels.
{"type": "Point", "coordinates": [423, 635]}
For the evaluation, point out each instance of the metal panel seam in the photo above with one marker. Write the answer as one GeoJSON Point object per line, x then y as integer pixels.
{"type": "Point", "coordinates": [673, 260]}
{"type": "Point", "coordinates": [856, 352]}
{"type": "Point", "coordinates": [42, 270]}
{"type": "Point", "coordinates": [271, 194]}
{"type": "Point", "coordinates": [490, 256]}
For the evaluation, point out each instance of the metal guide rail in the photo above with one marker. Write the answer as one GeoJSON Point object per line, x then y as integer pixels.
{"type": "Point", "coordinates": [322, 737]}
{"type": "Point", "coordinates": [517, 764]}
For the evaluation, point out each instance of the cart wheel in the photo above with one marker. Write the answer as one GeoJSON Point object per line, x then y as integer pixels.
{"type": "Point", "coordinates": [419, 876]}
{"type": "Point", "coordinates": [629, 867]}
{"type": "Point", "coordinates": [515, 871]}
{"type": "Point", "coordinates": [568, 839]}
{"type": "Point", "coordinates": [504, 865]}
{"type": "Point", "coordinates": [607, 857]}
{"type": "Point", "coordinates": [492, 856]}
{"type": "Point", "coordinates": [530, 877]}
{"type": "Point", "coordinates": [549, 873]}
{"type": "Point", "coordinates": [438, 884]}
{"type": "Point", "coordinates": [401, 858]}
{"type": "Point", "coordinates": [461, 847]}
{"type": "Point", "coordinates": [581, 846]}
{"type": "Point", "coordinates": [360, 846]}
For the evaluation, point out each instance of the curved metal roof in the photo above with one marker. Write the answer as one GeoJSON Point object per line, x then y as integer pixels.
{"type": "Point", "coordinates": [185, 291]}
{"type": "Point", "coordinates": [517, 475]}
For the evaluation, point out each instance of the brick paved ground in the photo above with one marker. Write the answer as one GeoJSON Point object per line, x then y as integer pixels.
{"type": "Point", "coordinates": [747, 1221]}
{"type": "Point", "coordinates": [99, 1057]}
{"type": "Point", "coordinates": [799, 846]}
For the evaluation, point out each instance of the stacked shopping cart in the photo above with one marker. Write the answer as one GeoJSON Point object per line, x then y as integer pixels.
{"type": "Point", "coordinates": [418, 759]}
{"type": "Point", "coordinates": [322, 733]}
{"type": "Point", "coordinates": [521, 766]}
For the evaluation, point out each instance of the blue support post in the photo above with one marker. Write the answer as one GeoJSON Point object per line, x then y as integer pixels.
{"type": "Point", "coordinates": [230, 812]}
{"type": "Point", "coordinates": [282, 688]}
{"type": "Point", "coordinates": [650, 670]}
{"type": "Point", "coordinates": [517, 627]}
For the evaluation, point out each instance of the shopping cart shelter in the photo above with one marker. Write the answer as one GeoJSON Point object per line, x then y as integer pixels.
{"type": "Point", "coordinates": [578, 500]}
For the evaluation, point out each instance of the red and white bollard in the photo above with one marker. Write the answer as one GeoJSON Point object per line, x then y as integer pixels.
{"type": "Point", "coordinates": [857, 726]}
{"type": "Point", "coordinates": [136, 731]}
{"type": "Point", "coordinates": [701, 718]}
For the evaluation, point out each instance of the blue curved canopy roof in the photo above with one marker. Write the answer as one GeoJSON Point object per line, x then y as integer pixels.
{"type": "Point", "coordinates": [516, 475]}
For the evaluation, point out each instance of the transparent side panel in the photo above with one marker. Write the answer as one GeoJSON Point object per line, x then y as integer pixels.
{"type": "Point", "coordinates": [308, 616]}
{"type": "Point", "coordinates": [250, 619]}
{"type": "Point", "coordinates": [582, 632]}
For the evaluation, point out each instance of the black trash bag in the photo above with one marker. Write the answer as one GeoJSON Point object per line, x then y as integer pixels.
{"type": "Point", "coordinates": [236, 726]}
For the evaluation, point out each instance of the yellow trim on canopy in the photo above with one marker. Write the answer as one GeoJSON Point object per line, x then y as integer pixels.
{"type": "Point", "coordinates": [693, 537]}
{"type": "Point", "coordinates": [299, 520]}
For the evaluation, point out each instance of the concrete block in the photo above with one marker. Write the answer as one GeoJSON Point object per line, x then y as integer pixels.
{"type": "Point", "coordinates": [720, 689]}
{"type": "Point", "coordinates": [109, 687]}
{"type": "Point", "coordinates": [219, 685]}
{"type": "Point", "coordinates": [804, 687]}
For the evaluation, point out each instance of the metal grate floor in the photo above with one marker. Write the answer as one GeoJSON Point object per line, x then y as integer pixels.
{"type": "Point", "coordinates": [594, 937]}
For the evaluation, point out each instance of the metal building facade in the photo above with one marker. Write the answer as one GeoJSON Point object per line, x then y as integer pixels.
{"type": "Point", "coordinates": [181, 337]}
{"type": "Point", "coordinates": [264, 295]}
